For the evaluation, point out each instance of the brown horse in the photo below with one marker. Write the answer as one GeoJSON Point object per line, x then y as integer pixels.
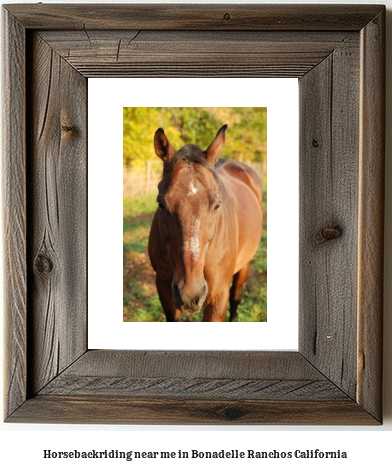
{"type": "Point", "coordinates": [205, 231]}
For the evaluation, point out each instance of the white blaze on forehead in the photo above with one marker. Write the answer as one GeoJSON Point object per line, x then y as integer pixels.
{"type": "Point", "coordinates": [192, 188]}
{"type": "Point", "coordinates": [192, 243]}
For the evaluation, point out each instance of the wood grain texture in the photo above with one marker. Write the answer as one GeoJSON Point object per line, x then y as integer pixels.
{"type": "Point", "coordinates": [58, 215]}
{"type": "Point", "coordinates": [194, 17]}
{"type": "Point", "coordinates": [190, 387]}
{"type": "Point", "coordinates": [103, 409]}
{"type": "Point", "coordinates": [328, 216]}
{"type": "Point", "coordinates": [193, 53]}
{"type": "Point", "coordinates": [14, 208]}
{"type": "Point", "coordinates": [205, 364]}
{"type": "Point", "coordinates": [371, 216]}
{"type": "Point", "coordinates": [208, 375]}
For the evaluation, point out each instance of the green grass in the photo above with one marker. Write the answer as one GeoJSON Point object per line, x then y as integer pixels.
{"type": "Point", "coordinates": [140, 299]}
{"type": "Point", "coordinates": [139, 205]}
{"type": "Point", "coordinates": [253, 306]}
{"type": "Point", "coordinates": [137, 217]}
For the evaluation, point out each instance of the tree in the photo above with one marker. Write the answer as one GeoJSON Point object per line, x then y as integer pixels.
{"type": "Point", "coordinates": [246, 139]}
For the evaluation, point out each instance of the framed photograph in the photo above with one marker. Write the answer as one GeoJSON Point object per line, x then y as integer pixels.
{"type": "Point", "coordinates": [337, 54]}
{"type": "Point", "coordinates": [200, 223]}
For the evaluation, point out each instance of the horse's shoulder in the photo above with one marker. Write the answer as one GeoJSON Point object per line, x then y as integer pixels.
{"type": "Point", "coordinates": [241, 172]}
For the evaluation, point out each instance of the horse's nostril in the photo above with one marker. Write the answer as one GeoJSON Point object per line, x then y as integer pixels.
{"type": "Point", "coordinates": [202, 294]}
{"type": "Point", "coordinates": [177, 296]}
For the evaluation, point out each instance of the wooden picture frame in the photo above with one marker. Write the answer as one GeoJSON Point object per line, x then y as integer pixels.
{"type": "Point", "coordinates": [337, 52]}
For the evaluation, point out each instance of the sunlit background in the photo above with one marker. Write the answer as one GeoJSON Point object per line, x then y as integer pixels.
{"type": "Point", "coordinates": [246, 141]}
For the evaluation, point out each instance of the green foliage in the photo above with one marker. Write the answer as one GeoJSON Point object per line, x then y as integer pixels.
{"type": "Point", "coordinates": [246, 139]}
{"type": "Point", "coordinates": [139, 126]}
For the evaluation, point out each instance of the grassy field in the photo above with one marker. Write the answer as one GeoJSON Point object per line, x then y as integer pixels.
{"type": "Point", "coordinates": [140, 299]}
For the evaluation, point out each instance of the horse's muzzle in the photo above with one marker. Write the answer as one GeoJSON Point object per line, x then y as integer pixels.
{"type": "Point", "coordinates": [185, 301]}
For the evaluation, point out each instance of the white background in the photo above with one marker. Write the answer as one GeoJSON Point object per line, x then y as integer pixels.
{"type": "Point", "coordinates": [21, 446]}
{"type": "Point", "coordinates": [106, 327]}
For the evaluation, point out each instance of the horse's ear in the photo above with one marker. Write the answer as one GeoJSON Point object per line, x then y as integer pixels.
{"type": "Point", "coordinates": [163, 148]}
{"type": "Point", "coordinates": [214, 150]}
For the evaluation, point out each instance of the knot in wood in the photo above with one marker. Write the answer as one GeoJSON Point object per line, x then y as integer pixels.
{"type": "Point", "coordinates": [328, 233]}
{"type": "Point", "coordinates": [232, 412]}
{"type": "Point", "coordinates": [68, 128]}
{"type": "Point", "coordinates": [315, 143]}
{"type": "Point", "coordinates": [43, 264]}
{"type": "Point", "coordinates": [227, 16]}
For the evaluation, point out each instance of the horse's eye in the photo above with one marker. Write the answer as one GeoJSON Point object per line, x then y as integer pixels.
{"type": "Point", "coordinates": [216, 207]}
{"type": "Point", "coordinates": [161, 204]}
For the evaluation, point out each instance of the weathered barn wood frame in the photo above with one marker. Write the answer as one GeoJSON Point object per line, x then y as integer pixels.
{"type": "Point", "coordinates": [337, 53]}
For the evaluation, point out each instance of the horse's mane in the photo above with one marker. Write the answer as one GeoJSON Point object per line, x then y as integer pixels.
{"type": "Point", "coordinates": [190, 154]}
